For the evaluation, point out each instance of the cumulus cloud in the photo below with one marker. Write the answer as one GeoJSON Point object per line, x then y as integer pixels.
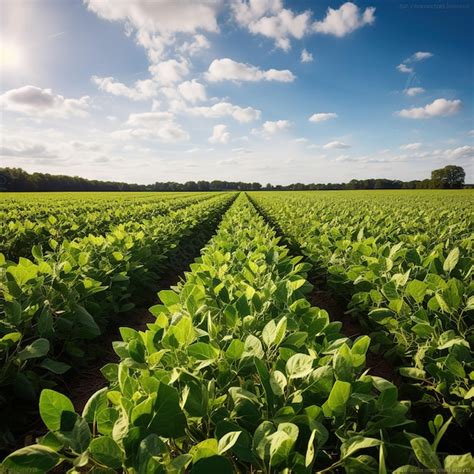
{"type": "Point", "coordinates": [438, 108]}
{"type": "Point", "coordinates": [268, 18]}
{"type": "Point", "coordinates": [169, 72]}
{"type": "Point", "coordinates": [152, 125]}
{"type": "Point", "coordinates": [322, 117]}
{"type": "Point", "coordinates": [26, 149]}
{"type": "Point", "coordinates": [306, 56]}
{"type": "Point", "coordinates": [198, 43]}
{"type": "Point", "coordinates": [229, 70]}
{"type": "Point", "coordinates": [141, 90]}
{"type": "Point", "coordinates": [156, 23]}
{"type": "Point", "coordinates": [192, 91]}
{"type": "Point", "coordinates": [411, 146]}
{"type": "Point", "coordinates": [418, 56]}
{"type": "Point", "coordinates": [412, 91]}
{"type": "Point", "coordinates": [462, 152]}
{"type": "Point", "coordinates": [404, 68]}
{"type": "Point", "coordinates": [346, 19]}
{"type": "Point", "coordinates": [37, 102]}
{"type": "Point", "coordinates": [336, 145]}
{"type": "Point", "coordinates": [271, 128]}
{"type": "Point", "coordinates": [219, 134]}
{"type": "Point", "coordinates": [223, 109]}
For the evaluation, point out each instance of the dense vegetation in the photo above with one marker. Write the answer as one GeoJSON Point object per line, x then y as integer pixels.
{"type": "Point", "coordinates": [239, 372]}
{"type": "Point", "coordinates": [405, 262]}
{"type": "Point", "coordinates": [15, 179]}
{"type": "Point", "coordinates": [64, 294]}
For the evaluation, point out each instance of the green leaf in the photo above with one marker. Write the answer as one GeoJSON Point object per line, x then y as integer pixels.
{"type": "Point", "coordinates": [356, 443]}
{"type": "Point", "coordinates": [52, 405]}
{"type": "Point", "coordinates": [359, 350]}
{"type": "Point", "coordinates": [235, 350]}
{"type": "Point", "coordinates": [310, 451]}
{"type": "Point", "coordinates": [390, 291]}
{"type": "Point", "coordinates": [278, 383]}
{"type": "Point", "coordinates": [339, 396]}
{"type": "Point", "coordinates": [169, 419]}
{"type": "Point", "coordinates": [34, 459]}
{"type": "Point", "coordinates": [425, 453]}
{"type": "Point", "coordinates": [413, 373]}
{"type": "Point", "coordinates": [38, 348]}
{"type": "Point", "coordinates": [96, 403]}
{"type": "Point", "coordinates": [417, 290]}
{"type": "Point", "coordinates": [168, 297]}
{"type": "Point", "coordinates": [459, 463]}
{"type": "Point", "coordinates": [106, 451]}
{"type": "Point", "coordinates": [228, 440]}
{"type": "Point", "coordinates": [451, 260]}
{"type": "Point", "coordinates": [299, 366]}
{"type": "Point", "coordinates": [204, 449]}
{"type": "Point", "coordinates": [55, 366]}
{"type": "Point", "coordinates": [253, 347]}
{"type": "Point", "coordinates": [274, 333]}
{"type": "Point", "coordinates": [203, 351]}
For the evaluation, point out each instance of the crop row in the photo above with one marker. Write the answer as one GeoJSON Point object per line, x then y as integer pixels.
{"type": "Point", "coordinates": [53, 305]}
{"type": "Point", "coordinates": [237, 374]}
{"type": "Point", "coordinates": [405, 262]}
{"type": "Point", "coordinates": [24, 224]}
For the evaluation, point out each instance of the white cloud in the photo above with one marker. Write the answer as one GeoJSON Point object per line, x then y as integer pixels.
{"type": "Point", "coordinates": [26, 149]}
{"type": "Point", "coordinates": [156, 23]}
{"type": "Point", "coordinates": [306, 56]}
{"type": "Point", "coordinates": [345, 20]}
{"type": "Point", "coordinates": [151, 125]}
{"type": "Point", "coordinates": [223, 109]}
{"type": "Point", "coordinates": [228, 70]}
{"type": "Point", "coordinates": [192, 91]}
{"type": "Point", "coordinates": [141, 90]}
{"type": "Point", "coordinates": [273, 127]}
{"type": "Point", "coordinates": [418, 56]}
{"type": "Point", "coordinates": [336, 145]}
{"type": "Point", "coordinates": [322, 117]}
{"type": "Point", "coordinates": [412, 91]}
{"type": "Point", "coordinates": [404, 68]}
{"type": "Point", "coordinates": [169, 72]}
{"type": "Point", "coordinates": [411, 146]}
{"type": "Point", "coordinates": [270, 19]}
{"type": "Point", "coordinates": [199, 43]}
{"type": "Point", "coordinates": [438, 108]}
{"type": "Point", "coordinates": [462, 152]}
{"type": "Point", "coordinates": [149, 119]}
{"type": "Point", "coordinates": [219, 134]}
{"type": "Point", "coordinates": [37, 102]}
{"type": "Point", "coordinates": [471, 133]}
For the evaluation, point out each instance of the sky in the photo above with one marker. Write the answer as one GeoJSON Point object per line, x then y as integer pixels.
{"type": "Point", "coordinates": [261, 90]}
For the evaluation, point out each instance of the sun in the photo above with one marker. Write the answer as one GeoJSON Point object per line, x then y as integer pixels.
{"type": "Point", "coordinates": [10, 56]}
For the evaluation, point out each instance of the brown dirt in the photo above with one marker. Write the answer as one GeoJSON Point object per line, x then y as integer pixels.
{"type": "Point", "coordinates": [351, 328]}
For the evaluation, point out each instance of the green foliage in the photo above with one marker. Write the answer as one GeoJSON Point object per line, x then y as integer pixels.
{"type": "Point", "coordinates": [237, 374]}
{"type": "Point", "coordinates": [62, 298]}
{"type": "Point", "coordinates": [405, 263]}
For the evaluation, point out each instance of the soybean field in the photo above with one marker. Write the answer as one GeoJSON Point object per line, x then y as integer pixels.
{"type": "Point", "coordinates": [236, 367]}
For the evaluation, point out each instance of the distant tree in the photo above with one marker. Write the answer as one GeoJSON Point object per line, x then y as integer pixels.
{"type": "Point", "coordinates": [449, 177]}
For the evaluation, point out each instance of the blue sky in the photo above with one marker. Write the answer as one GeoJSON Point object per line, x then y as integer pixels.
{"type": "Point", "coordinates": [266, 90]}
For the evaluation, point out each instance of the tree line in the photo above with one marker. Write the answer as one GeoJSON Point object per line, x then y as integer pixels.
{"type": "Point", "coordinates": [16, 179]}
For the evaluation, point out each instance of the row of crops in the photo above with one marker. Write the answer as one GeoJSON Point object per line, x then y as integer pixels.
{"type": "Point", "coordinates": [239, 373]}
{"type": "Point", "coordinates": [405, 262]}
{"type": "Point", "coordinates": [65, 294]}
{"type": "Point", "coordinates": [45, 221]}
